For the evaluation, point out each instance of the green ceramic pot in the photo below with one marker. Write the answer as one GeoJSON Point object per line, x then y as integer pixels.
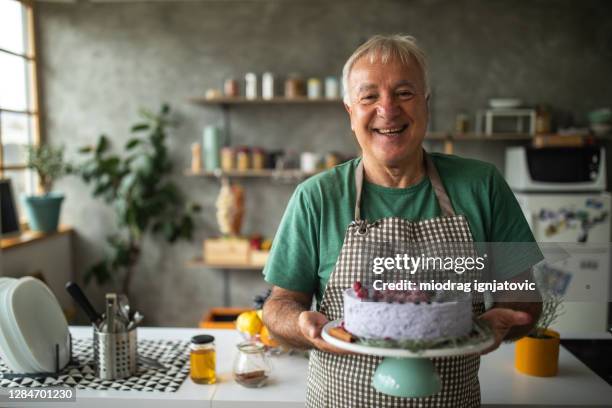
{"type": "Point", "coordinates": [43, 211]}
{"type": "Point", "coordinates": [406, 377]}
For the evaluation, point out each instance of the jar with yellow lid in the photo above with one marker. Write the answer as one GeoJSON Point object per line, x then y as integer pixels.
{"type": "Point", "coordinates": [202, 359]}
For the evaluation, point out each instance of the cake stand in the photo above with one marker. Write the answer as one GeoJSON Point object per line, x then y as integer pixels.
{"type": "Point", "coordinates": [406, 373]}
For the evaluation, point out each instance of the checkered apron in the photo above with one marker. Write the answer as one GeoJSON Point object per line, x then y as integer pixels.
{"type": "Point", "coordinates": [336, 381]}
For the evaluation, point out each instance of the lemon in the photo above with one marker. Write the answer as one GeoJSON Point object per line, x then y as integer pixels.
{"type": "Point", "coordinates": [260, 314]}
{"type": "Point", "coordinates": [267, 339]}
{"type": "Point", "coordinates": [249, 322]}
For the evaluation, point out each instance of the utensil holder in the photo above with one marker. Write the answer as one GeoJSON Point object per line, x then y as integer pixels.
{"type": "Point", "coordinates": [115, 354]}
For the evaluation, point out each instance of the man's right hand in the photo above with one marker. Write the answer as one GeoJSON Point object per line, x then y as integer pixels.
{"type": "Point", "coordinates": [311, 325]}
{"type": "Point", "coordinates": [288, 317]}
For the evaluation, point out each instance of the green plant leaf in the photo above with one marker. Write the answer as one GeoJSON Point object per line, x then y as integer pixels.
{"type": "Point", "coordinates": [139, 127]}
{"type": "Point", "coordinates": [102, 145]}
{"type": "Point", "coordinates": [132, 143]}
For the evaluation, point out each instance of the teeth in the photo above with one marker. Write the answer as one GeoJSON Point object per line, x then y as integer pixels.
{"type": "Point", "coordinates": [390, 130]}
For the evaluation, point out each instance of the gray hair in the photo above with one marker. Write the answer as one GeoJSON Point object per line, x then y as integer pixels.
{"type": "Point", "coordinates": [386, 47]}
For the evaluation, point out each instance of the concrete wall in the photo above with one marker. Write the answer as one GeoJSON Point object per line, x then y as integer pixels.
{"type": "Point", "coordinates": [102, 62]}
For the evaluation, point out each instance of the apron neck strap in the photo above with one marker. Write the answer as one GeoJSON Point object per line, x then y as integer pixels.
{"type": "Point", "coordinates": [434, 177]}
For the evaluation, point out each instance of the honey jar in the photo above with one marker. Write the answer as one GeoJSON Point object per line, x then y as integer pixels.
{"type": "Point", "coordinates": [202, 359]}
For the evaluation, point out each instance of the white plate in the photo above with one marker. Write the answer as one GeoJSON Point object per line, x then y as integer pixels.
{"type": "Point", "coordinates": [9, 348]}
{"type": "Point", "coordinates": [40, 324]}
{"type": "Point", "coordinates": [390, 352]}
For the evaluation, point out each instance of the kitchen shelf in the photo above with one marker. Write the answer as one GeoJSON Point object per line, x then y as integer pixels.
{"type": "Point", "coordinates": [467, 137]}
{"type": "Point", "coordinates": [200, 263]}
{"type": "Point", "coordinates": [265, 173]}
{"type": "Point", "coordinates": [259, 101]}
{"type": "Point", "coordinates": [29, 237]}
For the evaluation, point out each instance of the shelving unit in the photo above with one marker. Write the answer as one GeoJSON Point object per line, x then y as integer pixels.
{"type": "Point", "coordinates": [265, 173]}
{"type": "Point", "coordinates": [199, 263]}
{"type": "Point", "coordinates": [259, 101]}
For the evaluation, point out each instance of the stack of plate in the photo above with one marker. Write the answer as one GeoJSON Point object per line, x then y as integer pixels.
{"type": "Point", "coordinates": [31, 324]}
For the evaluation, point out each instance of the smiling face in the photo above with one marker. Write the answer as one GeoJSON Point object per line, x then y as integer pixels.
{"type": "Point", "coordinates": [388, 110]}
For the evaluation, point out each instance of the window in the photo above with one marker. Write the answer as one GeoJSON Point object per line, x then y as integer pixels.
{"type": "Point", "coordinates": [19, 116]}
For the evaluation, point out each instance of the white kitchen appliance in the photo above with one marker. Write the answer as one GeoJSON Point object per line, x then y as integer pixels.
{"type": "Point", "coordinates": [574, 214]}
{"type": "Point", "coordinates": [556, 169]}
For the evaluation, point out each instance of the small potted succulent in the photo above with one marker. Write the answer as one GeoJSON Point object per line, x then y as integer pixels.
{"type": "Point", "coordinates": [43, 211]}
{"type": "Point", "coordinates": [537, 354]}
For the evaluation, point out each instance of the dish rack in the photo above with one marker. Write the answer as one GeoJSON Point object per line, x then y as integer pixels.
{"type": "Point", "coordinates": [57, 371]}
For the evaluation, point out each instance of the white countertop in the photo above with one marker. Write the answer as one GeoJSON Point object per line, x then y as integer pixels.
{"type": "Point", "coordinates": [501, 385]}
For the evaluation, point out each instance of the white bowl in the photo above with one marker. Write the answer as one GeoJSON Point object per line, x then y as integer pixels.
{"type": "Point", "coordinates": [505, 103]}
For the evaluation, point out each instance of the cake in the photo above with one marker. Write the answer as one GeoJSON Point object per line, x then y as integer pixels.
{"type": "Point", "coordinates": [405, 315]}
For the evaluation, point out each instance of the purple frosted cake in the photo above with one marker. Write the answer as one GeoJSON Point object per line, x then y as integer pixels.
{"type": "Point", "coordinates": [410, 315]}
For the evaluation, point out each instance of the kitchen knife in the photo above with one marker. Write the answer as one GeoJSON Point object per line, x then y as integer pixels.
{"type": "Point", "coordinates": [79, 297]}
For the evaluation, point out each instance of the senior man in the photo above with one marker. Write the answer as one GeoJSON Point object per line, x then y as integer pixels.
{"type": "Point", "coordinates": [405, 190]}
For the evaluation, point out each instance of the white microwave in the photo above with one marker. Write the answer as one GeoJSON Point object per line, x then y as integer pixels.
{"type": "Point", "coordinates": [556, 168]}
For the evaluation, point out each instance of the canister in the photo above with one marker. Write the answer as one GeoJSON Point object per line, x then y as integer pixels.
{"type": "Point", "coordinates": [267, 85]}
{"type": "Point", "coordinates": [251, 85]}
{"type": "Point", "coordinates": [258, 158]}
{"type": "Point", "coordinates": [196, 158]}
{"type": "Point", "coordinates": [314, 88]}
{"type": "Point", "coordinates": [211, 142]}
{"type": "Point", "coordinates": [230, 88]}
{"type": "Point", "coordinates": [243, 161]}
{"type": "Point", "coordinates": [228, 158]}
{"type": "Point", "coordinates": [294, 87]}
{"type": "Point", "coordinates": [331, 88]}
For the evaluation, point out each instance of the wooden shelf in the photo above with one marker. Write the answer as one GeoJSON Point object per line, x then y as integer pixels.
{"type": "Point", "coordinates": [265, 173]}
{"type": "Point", "coordinates": [200, 263]}
{"type": "Point", "coordinates": [29, 237]}
{"type": "Point", "coordinates": [467, 137]}
{"type": "Point", "coordinates": [259, 101]}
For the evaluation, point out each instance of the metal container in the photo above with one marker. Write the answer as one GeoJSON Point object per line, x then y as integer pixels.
{"type": "Point", "coordinates": [115, 354]}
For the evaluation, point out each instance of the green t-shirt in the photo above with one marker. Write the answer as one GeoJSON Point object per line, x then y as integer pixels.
{"type": "Point", "coordinates": [311, 232]}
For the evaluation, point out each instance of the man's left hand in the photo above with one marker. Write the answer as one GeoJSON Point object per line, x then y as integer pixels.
{"type": "Point", "coordinates": [501, 321]}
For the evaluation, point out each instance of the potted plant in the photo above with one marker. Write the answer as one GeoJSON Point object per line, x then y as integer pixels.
{"type": "Point", "coordinates": [138, 185]}
{"type": "Point", "coordinates": [43, 211]}
{"type": "Point", "coordinates": [537, 354]}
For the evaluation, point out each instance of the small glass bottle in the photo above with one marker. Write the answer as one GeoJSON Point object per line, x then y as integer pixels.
{"type": "Point", "coordinates": [202, 359]}
{"type": "Point", "coordinates": [251, 366]}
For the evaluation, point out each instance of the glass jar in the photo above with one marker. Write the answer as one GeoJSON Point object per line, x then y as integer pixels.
{"type": "Point", "coordinates": [295, 87]}
{"type": "Point", "coordinates": [202, 359]}
{"type": "Point", "coordinates": [258, 158]}
{"type": "Point", "coordinates": [251, 366]}
{"type": "Point", "coordinates": [228, 157]}
{"type": "Point", "coordinates": [231, 88]}
{"type": "Point", "coordinates": [243, 161]}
